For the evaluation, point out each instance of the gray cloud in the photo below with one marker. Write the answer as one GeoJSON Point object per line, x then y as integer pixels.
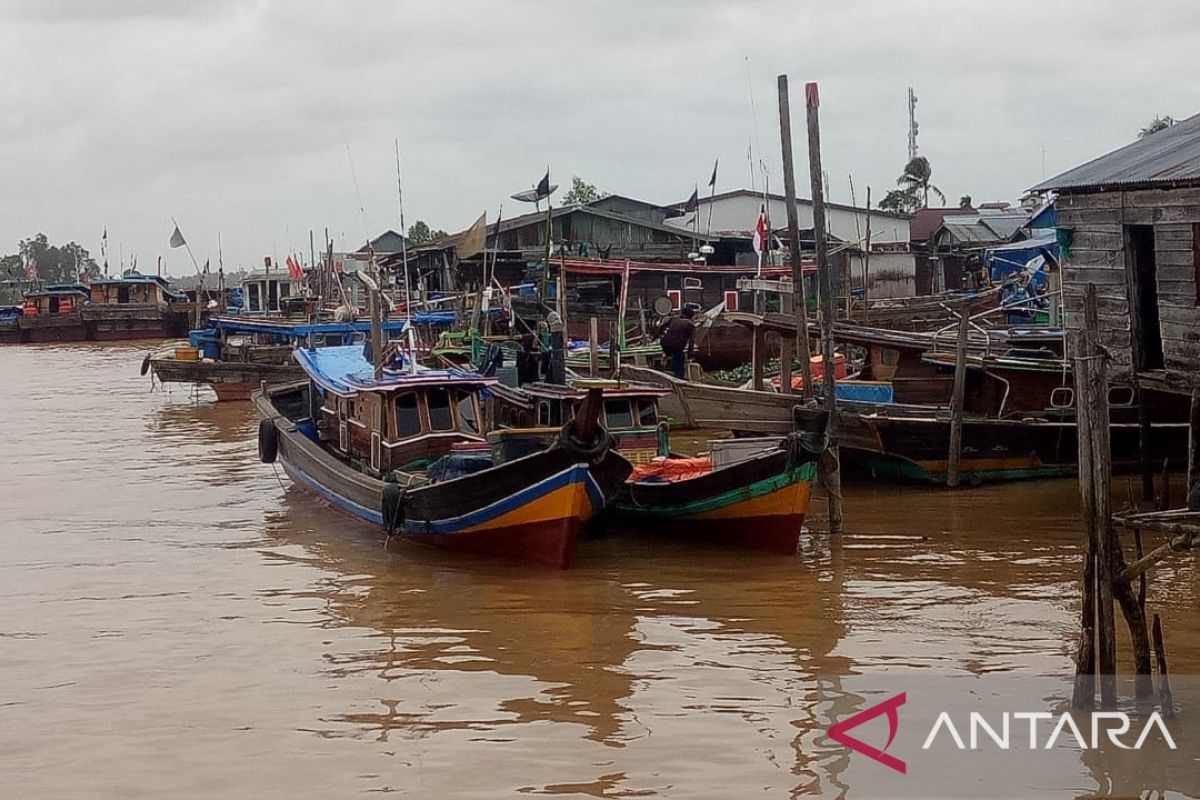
{"type": "Point", "coordinates": [264, 119]}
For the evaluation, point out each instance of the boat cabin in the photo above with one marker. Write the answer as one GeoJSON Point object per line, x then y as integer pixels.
{"type": "Point", "coordinates": [630, 412]}
{"type": "Point", "coordinates": [64, 299]}
{"type": "Point", "coordinates": [133, 288]}
{"type": "Point", "coordinates": [400, 423]}
{"type": "Point", "coordinates": [267, 292]}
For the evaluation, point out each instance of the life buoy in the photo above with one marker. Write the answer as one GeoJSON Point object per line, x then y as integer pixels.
{"type": "Point", "coordinates": [268, 441]}
{"type": "Point", "coordinates": [591, 452]}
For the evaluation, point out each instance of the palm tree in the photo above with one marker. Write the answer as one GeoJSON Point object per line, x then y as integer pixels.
{"type": "Point", "coordinates": [917, 173]}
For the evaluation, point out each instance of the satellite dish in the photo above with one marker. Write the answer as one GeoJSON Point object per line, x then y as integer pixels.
{"type": "Point", "coordinates": [663, 305]}
{"type": "Point", "coordinates": [531, 195]}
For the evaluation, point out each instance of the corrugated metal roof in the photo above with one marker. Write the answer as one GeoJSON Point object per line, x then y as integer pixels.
{"type": "Point", "coordinates": [1169, 156]}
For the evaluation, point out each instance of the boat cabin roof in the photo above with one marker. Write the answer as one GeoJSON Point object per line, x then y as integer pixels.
{"type": "Point", "coordinates": [59, 291]}
{"type": "Point", "coordinates": [344, 371]}
{"type": "Point", "coordinates": [577, 388]}
{"type": "Point", "coordinates": [299, 327]}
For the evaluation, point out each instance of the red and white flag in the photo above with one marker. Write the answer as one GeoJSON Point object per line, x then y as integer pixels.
{"type": "Point", "coordinates": [31, 272]}
{"type": "Point", "coordinates": [761, 234]}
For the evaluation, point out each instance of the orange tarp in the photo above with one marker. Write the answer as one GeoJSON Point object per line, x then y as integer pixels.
{"type": "Point", "coordinates": [672, 469]}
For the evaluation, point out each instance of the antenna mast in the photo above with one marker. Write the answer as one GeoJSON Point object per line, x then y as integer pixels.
{"type": "Point", "coordinates": [913, 127]}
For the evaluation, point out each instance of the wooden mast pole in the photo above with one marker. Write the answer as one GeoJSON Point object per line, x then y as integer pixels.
{"type": "Point", "coordinates": [867, 264]}
{"type": "Point", "coordinates": [799, 306]}
{"type": "Point", "coordinates": [830, 461]}
{"type": "Point", "coordinates": [956, 399]}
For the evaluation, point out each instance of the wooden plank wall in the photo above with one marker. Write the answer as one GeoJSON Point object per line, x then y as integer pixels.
{"type": "Point", "coordinates": [1098, 256]}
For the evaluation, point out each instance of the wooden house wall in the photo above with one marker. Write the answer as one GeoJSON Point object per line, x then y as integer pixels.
{"type": "Point", "coordinates": [1098, 256]}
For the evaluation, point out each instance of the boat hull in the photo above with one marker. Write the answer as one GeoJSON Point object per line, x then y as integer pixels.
{"type": "Point", "coordinates": [916, 448]}
{"type": "Point", "coordinates": [702, 405]}
{"type": "Point", "coordinates": [758, 504]}
{"type": "Point", "coordinates": [529, 510]}
{"type": "Point", "coordinates": [230, 380]}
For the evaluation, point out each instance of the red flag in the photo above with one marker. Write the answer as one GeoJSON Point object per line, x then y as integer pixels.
{"type": "Point", "coordinates": [294, 270]}
{"type": "Point", "coordinates": [761, 242]}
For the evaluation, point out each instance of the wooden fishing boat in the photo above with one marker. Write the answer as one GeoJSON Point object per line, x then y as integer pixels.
{"type": "Point", "coordinates": [10, 324]}
{"type": "Point", "coordinates": [134, 306]}
{"type": "Point", "coordinates": [235, 355]}
{"type": "Point", "coordinates": [52, 314]}
{"type": "Point", "coordinates": [704, 405]}
{"type": "Point", "coordinates": [749, 493]}
{"type": "Point", "coordinates": [406, 451]}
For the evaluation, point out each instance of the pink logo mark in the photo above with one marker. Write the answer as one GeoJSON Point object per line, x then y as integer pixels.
{"type": "Point", "coordinates": [889, 706]}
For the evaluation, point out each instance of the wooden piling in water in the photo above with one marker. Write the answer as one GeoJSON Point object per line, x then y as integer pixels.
{"type": "Point", "coordinates": [956, 400]}
{"type": "Point", "coordinates": [799, 299]}
{"type": "Point", "coordinates": [831, 462]}
{"type": "Point", "coordinates": [1095, 470]}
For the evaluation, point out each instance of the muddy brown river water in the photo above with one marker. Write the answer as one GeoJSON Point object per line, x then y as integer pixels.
{"type": "Point", "coordinates": [177, 620]}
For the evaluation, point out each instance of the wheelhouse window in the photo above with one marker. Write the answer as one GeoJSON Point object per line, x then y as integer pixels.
{"type": "Point", "coordinates": [253, 297]}
{"type": "Point", "coordinates": [441, 418]}
{"type": "Point", "coordinates": [618, 414]}
{"type": "Point", "coordinates": [408, 415]}
{"type": "Point", "coordinates": [468, 421]}
{"type": "Point", "coordinates": [543, 412]}
{"type": "Point", "coordinates": [647, 412]}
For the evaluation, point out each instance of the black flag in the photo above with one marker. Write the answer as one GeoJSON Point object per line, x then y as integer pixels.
{"type": "Point", "coordinates": [712, 182]}
{"type": "Point", "coordinates": [693, 203]}
{"type": "Point", "coordinates": [543, 187]}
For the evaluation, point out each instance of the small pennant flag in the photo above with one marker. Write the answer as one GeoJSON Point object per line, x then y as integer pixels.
{"type": "Point", "coordinates": [543, 187]}
{"type": "Point", "coordinates": [474, 239]}
{"type": "Point", "coordinates": [761, 233]}
{"type": "Point", "coordinates": [295, 271]}
{"type": "Point", "coordinates": [177, 239]}
{"type": "Point", "coordinates": [712, 182]}
{"type": "Point", "coordinates": [206, 266]}
{"type": "Point", "coordinates": [693, 202]}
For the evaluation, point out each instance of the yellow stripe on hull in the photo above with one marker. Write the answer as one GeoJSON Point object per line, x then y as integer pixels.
{"type": "Point", "coordinates": [566, 502]}
{"type": "Point", "coordinates": [788, 500]}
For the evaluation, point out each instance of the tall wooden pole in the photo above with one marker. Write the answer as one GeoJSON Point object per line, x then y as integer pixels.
{"type": "Point", "coordinates": [831, 463]}
{"type": "Point", "coordinates": [867, 263]}
{"type": "Point", "coordinates": [799, 306]}
{"type": "Point", "coordinates": [956, 399]}
{"type": "Point", "coordinates": [1095, 472]}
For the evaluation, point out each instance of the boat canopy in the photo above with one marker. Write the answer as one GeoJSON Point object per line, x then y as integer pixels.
{"type": "Point", "coordinates": [299, 328]}
{"type": "Point", "coordinates": [344, 371]}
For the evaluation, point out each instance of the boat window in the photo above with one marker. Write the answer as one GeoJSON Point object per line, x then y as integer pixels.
{"type": "Point", "coordinates": [618, 414]}
{"type": "Point", "coordinates": [467, 421]}
{"type": "Point", "coordinates": [272, 295]}
{"type": "Point", "coordinates": [543, 412]}
{"type": "Point", "coordinates": [647, 413]}
{"type": "Point", "coordinates": [285, 290]}
{"type": "Point", "coordinates": [440, 416]}
{"type": "Point", "coordinates": [505, 415]}
{"type": "Point", "coordinates": [408, 418]}
{"type": "Point", "coordinates": [254, 303]}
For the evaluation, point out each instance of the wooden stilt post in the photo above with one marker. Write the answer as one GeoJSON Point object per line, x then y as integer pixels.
{"type": "Point", "coordinates": [799, 302]}
{"type": "Point", "coordinates": [785, 364]}
{"type": "Point", "coordinates": [831, 462]}
{"type": "Point", "coordinates": [1091, 403]}
{"type": "Point", "coordinates": [1144, 437]}
{"type": "Point", "coordinates": [956, 400]}
{"type": "Point", "coordinates": [594, 347]}
{"type": "Point", "coordinates": [1193, 467]}
{"type": "Point", "coordinates": [1166, 696]}
{"type": "Point", "coordinates": [758, 356]}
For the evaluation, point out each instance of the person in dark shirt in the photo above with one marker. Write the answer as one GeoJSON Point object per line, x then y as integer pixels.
{"type": "Point", "coordinates": [676, 337]}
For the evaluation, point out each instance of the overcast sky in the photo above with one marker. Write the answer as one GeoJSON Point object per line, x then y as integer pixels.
{"type": "Point", "coordinates": [264, 119]}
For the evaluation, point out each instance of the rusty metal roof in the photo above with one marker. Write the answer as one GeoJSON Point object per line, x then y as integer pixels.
{"type": "Point", "coordinates": [1170, 156]}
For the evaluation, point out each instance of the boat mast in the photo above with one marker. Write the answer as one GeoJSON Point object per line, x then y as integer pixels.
{"type": "Point", "coordinates": [408, 327]}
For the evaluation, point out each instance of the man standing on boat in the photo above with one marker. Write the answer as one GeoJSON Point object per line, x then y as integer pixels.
{"type": "Point", "coordinates": [677, 338]}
